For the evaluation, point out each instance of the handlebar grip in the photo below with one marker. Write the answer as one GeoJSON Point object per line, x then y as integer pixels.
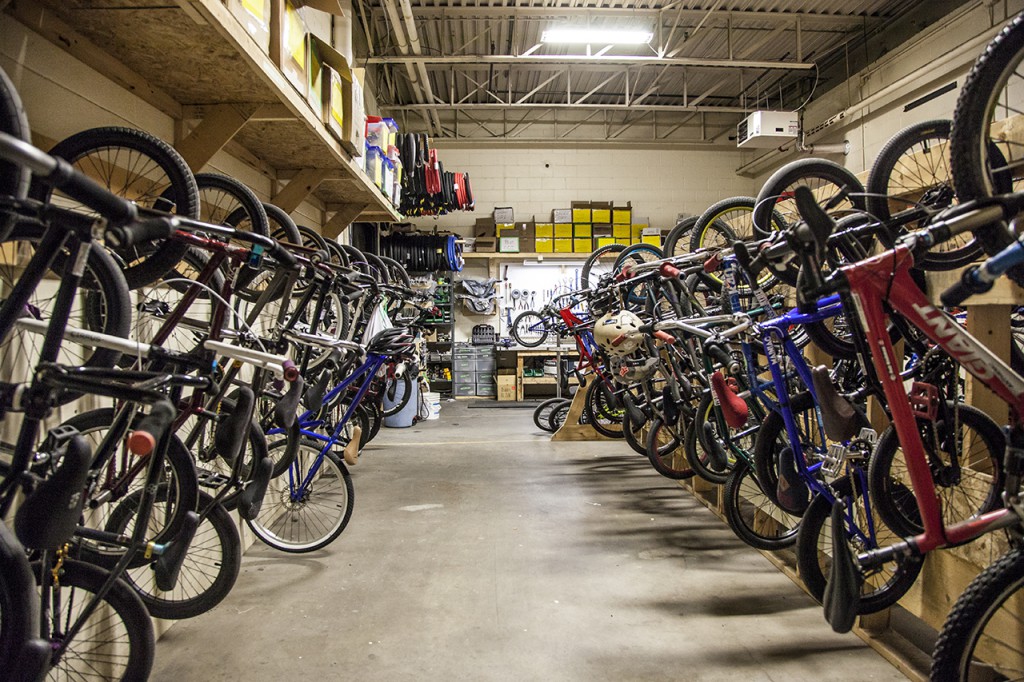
{"type": "Point", "coordinates": [719, 354]}
{"type": "Point", "coordinates": [117, 210]}
{"type": "Point", "coordinates": [619, 340]}
{"type": "Point", "coordinates": [291, 372]}
{"type": "Point", "coordinates": [647, 328]}
{"type": "Point", "coordinates": [664, 336]}
{"type": "Point", "coordinates": [968, 285]}
{"type": "Point", "coordinates": [142, 440]}
{"type": "Point", "coordinates": [284, 256]}
{"type": "Point", "coordinates": [713, 263]}
{"type": "Point", "coordinates": [669, 271]}
{"type": "Point", "coordinates": [124, 236]}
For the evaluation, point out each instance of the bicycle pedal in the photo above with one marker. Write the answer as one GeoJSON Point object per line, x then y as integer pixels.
{"type": "Point", "coordinates": [351, 451]}
{"type": "Point", "coordinates": [211, 479]}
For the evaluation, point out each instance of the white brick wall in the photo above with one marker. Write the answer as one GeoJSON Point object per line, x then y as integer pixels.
{"type": "Point", "coordinates": [660, 184]}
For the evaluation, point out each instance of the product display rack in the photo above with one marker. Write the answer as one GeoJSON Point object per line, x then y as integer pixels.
{"type": "Point", "coordinates": [439, 351]}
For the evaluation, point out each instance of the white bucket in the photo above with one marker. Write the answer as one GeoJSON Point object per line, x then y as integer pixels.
{"type": "Point", "coordinates": [433, 401]}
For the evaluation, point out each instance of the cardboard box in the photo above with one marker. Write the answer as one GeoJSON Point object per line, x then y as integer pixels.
{"type": "Point", "coordinates": [544, 245]}
{"type": "Point", "coordinates": [486, 244]}
{"type": "Point", "coordinates": [544, 230]}
{"type": "Point", "coordinates": [563, 230]}
{"type": "Point", "coordinates": [506, 386]}
{"type": "Point", "coordinates": [621, 231]}
{"type": "Point", "coordinates": [561, 215]}
{"type": "Point", "coordinates": [626, 241]}
{"type": "Point", "coordinates": [505, 230]}
{"type": "Point", "coordinates": [563, 245]}
{"type": "Point", "coordinates": [294, 58]}
{"type": "Point", "coordinates": [584, 245]}
{"type": "Point", "coordinates": [651, 235]}
{"type": "Point", "coordinates": [503, 215]}
{"type": "Point", "coordinates": [602, 231]}
{"type": "Point", "coordinates": [600, 212]}
{"type": "Point", "coordinates": [355, 122]}
{"type": "Point", "coordinates": [582, 230]}
{"type": "Point", "coordinates": [622, 215]}
{"type": "Point", "coordinates": [314, 88]}
{"type": "Point", "coordinates": [581, 212]}
{"type": "Point", "coordinates": [254, 16]}
{"type": "Point", "coordinates": [484, 227]}
{"type": "Point", "coordinates": [508, 244]}
{"type": "Point", "coordinates": [333, 113]}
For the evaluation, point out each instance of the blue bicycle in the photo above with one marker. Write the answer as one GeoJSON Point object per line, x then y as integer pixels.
{"type": "Point", "coordinates": [308, 507]}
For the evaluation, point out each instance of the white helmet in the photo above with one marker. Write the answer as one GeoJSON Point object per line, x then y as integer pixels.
{"type": "Point", "coordinates": [618, 333]}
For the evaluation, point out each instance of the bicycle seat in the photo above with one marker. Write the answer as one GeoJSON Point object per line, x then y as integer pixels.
{"type": "Point", "coordinates": [841, 418]}
{"type": "Point", "coordinates": [49, 515]}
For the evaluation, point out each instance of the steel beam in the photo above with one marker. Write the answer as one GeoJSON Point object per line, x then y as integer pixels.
{"type": "Point", "coordinates": [606, 60]}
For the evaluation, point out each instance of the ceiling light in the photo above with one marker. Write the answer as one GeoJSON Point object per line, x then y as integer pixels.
{"type": "Point", "coordinates": [597, 36]}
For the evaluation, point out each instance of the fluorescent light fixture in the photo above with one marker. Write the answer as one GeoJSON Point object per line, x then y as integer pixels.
{"type": "Point", "coordinates": [597, 36]}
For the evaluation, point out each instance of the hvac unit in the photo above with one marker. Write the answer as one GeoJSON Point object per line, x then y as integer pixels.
{"type": "Point", "coordinates": [767, 129]}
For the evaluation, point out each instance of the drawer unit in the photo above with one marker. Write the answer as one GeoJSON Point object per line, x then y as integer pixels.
{"type": "Point", "coordinates": [464, 389]}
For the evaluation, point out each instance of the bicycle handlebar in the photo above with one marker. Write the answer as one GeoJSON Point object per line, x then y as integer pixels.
{"type": "Point", "coordinates": [152, 427]}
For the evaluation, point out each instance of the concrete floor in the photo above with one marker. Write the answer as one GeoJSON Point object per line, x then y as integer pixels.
{"type": "Point", "coordinates": [479, 550]}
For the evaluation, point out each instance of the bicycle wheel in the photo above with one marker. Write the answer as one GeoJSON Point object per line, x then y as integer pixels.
{"type": "Point", "coordinates": [883, 585]}
{"type": "Point", "coordinates": [542, 415]}
{"type": "Point", "coordinates": [602, 411]}
{"type": "Point", "coordinates": [666, 451]}
{"type": "Point", "coordinates": [965, 453]}
{"type": "Point", "coordinates": [703, 465]}
{"type": "Point", "coordinates": [281, 226]}
{"type": "Point", "coordinates": [14, 179]}
{"type": "Point", "coordinates": [397, 389]}
{"type": "Point", "coordinates": [752, 514]}
{"type": "Point", "coordinates": [776, 204]}
{"type": "Point", "coordinates": [913, 170]}
{"type": "Point", "coordinates": [557, 416]}
{"type": "Point", "coordinates": [728, 221]}
{"type": "Point", "coordinates": [124, 474]}
{"type": "Point", "coordinates": [676, 241]}
{"type": "Point", "coordinates": [308, 508]}
{"type": "Point", "coordinates": [115, 640]}
{"type": "Point", "coordinates": [208, 573]}
{"type": "Point", "coordinates": [102, 304]}
{"type": "Point", "coordinates": [137, 166]}
{"type": "Point", "coordinates": [983, 158]}
{"type": "Point", "coordinates": [772, 439]}
{"type": "Point", "coordinates": [600, 262]}
{"type": "Point", "coordinates": [980, 639]}
{"type": "Point", "coordinates": [530, 329]}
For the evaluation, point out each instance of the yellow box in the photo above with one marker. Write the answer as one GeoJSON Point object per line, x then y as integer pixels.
{"type": "Point", "coordinates": [333, 102]}
{"type": "Point", "coordinates": [651, 239]}
{"type": "Point", "coordinates": [545, 245]}
{"type": "Point", "coordinates": [600, 215]}
{"type": "Point", "coordinates": [563, 230]}
{"type": "Point", "coordinates": [641, 226]}
{"type": "Point", "coordinates": [621, 231]}
{"type": "Point", "coordinates": [581, 215]}
{"type": "Point", "coordinates": [603, 241]}
{"type": "Point", "coordinates": [563, 245]}
{"type": "Point", "coordinates": [582, 230]}
{"type": "Point", "coordinates": [508, 228]}
{"type": "Point", "coordinates": [623, 240]}
{"type": "Point", "coordinates": [254, 16]}
{"type": "Point", "coordinates": [636, 232]}
{"type": "Point", "coordinates": [545, 230]}
{"type": "Point", "coordinates": [293, 48]}
{"type": "Point", "coordinates": [622, 216]}
{"type": "Point", "coordinates": [585, 245]}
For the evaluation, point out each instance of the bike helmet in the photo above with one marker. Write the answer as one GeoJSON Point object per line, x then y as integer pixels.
{"type": "Point", "coordinates": [392, 341]}
{"type": "Point", "coordinates": [618, 333]}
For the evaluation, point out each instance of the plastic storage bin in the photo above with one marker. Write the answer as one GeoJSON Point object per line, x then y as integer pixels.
{"type": "Point", "coordinates": [407, 414]}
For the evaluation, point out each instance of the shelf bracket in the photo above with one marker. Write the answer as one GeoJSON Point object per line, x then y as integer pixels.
{"type": "Point", "coordinates": [299, 187]}
{"type": "Point", "coordinates": [219, 125]}
{"type": "Point", "coordinates": [342, 218]}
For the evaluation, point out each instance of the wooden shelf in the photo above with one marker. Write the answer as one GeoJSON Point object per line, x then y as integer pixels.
{"type": "Point", "coordinates": [193, 60]}
{"type": "Point", "coordinates": [539, 380]}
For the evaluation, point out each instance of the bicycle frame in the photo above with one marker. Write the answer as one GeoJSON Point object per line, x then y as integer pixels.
{"type": "Point", "coordinates": [309, 420]}
{"type": "Point", "coordinates": [885, 279]}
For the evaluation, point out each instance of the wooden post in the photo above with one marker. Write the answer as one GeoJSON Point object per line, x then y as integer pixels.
{"type": "Point", "coordinates": [218, 126]}
{"type": "Point", "coordinates": [342, 218]}
{"type": "Point", "coordinates": [299, 187]}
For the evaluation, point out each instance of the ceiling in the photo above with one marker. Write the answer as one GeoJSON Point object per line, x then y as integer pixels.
{"type": "Point", "coordinates": [477, 71]}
